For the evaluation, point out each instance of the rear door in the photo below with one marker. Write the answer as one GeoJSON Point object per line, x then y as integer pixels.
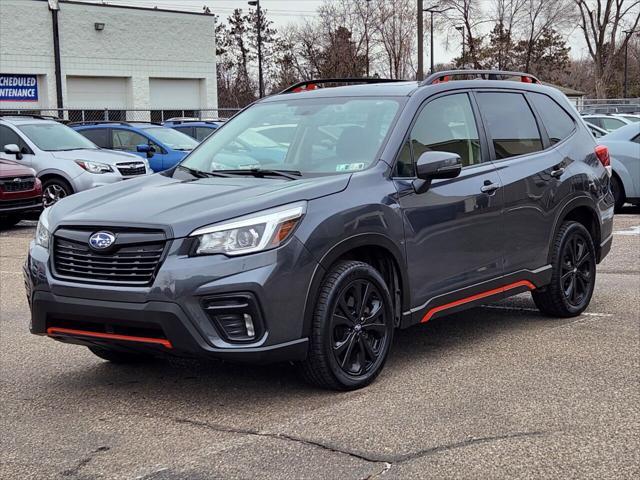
{"type": "Point", "coordinates": [452, 230]}
{"type": "Point", "coordinates": [531, 171]}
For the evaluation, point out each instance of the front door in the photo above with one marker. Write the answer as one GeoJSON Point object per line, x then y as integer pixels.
{"type": "Point", "coordinates": [128, 141]}
{"type": "Point", "coordinates": [452, 231]}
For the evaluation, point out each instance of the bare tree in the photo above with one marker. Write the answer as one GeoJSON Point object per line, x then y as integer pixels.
{"type": "Point", "coordinates": [469, 15]}
{"type": "Point", "coordinates": [603, 23]}
{"type": "Point", "coordinates": [396, 35]}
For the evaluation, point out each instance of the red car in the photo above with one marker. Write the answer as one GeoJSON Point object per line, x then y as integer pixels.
{"type": "Point", "coordinates": [20, 193]}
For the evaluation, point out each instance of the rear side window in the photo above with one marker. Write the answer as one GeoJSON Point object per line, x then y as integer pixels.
{"type": "Point", "coordinates": [203, 132]}
{"type": "Point", "coordinates": [611, 123]}
{"type": "Point", "coordinates": [510, 124]}
{"type": "Point", "coordinates": [99, 136]}
{"type": "Point", "coordinates": [556, 120]}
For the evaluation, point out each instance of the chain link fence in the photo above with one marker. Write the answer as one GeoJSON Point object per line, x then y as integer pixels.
{"type": "Point", "coordinates": [609, 105]}
{"type": "Point", "coordinates": [80, 115]}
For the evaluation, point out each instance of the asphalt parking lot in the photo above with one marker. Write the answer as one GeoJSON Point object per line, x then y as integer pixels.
{"type": "Point", "coordinates": [495, 392]}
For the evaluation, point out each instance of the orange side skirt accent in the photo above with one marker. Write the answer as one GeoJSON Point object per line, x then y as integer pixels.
{"type": "Point", "coordinates": [53, 331]}
{"type": "Point", "coordinates": [477, 296]}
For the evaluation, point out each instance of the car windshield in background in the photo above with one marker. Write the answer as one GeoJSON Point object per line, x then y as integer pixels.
{"type": "Point", "coordinates": [323, 135]}
{"type": "Point", "coordinates": [172, 138]}
{"type": "Point", "coordinates": [55, 137]}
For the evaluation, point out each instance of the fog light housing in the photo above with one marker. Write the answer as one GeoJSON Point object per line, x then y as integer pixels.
{"type": "Point", "coordinates": [236, 317]}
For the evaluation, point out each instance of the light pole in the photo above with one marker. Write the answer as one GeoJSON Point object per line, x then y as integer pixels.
{"type": "Point", "coordinates": [420, 73]}
{"type": "Point", "coordinates": [628, 34]}
{"type": "Point", "coordinates": [256, 3]}
{"type": "Point", "coordinates": [434, 9]}
{"type": "Point", "coordinates": [460, 28]}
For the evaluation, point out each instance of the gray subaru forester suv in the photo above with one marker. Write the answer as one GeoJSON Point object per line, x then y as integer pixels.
{"type": "Point", "coordinates": [382, 205]}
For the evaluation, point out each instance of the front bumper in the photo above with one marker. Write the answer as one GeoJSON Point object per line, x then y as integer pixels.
{"type": "Point", "coordinates": [168, 317]}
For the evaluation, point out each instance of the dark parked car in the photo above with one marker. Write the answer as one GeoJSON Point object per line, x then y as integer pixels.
{"type": "Point", "coordinates": [426, 198]}
{"type": "Point", "coordinates": [20, 193]}
{"type": "Point", "coordinates": [195, 128]}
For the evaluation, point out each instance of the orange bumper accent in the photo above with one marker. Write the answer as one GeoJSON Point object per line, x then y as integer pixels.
{"type": "Point", "coordinates": [55, 331]}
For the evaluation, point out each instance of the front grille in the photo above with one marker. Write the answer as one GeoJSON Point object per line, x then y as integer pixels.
{"type": "Point", "coordinates": [131, 169]}
{"type": "Point", "coordinates": [131, 263]}
{"type": "Point", "coordinates": [17, 184]}
{"type": "Point", "coordinates": [20, 203]}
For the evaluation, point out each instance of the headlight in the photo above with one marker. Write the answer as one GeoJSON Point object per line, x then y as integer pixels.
{"type": "Point", "coordinates": [42, 231]}
{"type": "Point", "coordinates": [94, 167]}
{"type": "Point", "coordinates": [252, 233]}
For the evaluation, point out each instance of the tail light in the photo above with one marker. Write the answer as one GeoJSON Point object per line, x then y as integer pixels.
{"type": "Point", "coordinates": [602, 153]}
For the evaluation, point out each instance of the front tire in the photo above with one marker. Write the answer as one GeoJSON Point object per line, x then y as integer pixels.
{"type": "Point", "coordinates": [574, 273]}
{"type": "Point", "coordinates": [54, 190]}
{"type": "Point", "coordinates": [120, 357]}
{"type": "Point", "coordinates": [352, 328]}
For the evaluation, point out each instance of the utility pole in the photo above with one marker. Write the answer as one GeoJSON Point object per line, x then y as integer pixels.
{"type": "Point", "coordinates": [366, 33]}
{"type": "Point", "coordinates": [420, 74]}
{"type": "Point", "coordinates": [256, 3]}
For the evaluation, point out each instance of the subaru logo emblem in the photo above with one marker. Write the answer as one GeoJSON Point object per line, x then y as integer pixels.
{"type": "Point", "coordinates": [101, 240]}
{"type": "Point", "coordinates": [17, 180]}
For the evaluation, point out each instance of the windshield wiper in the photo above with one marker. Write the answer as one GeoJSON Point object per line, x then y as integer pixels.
{"type": "Point", "coordinates": [201, 173]}
{"type": "Point", "coordinates": [263, 172]}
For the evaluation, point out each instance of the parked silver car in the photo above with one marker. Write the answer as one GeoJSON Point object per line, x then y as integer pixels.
{"type": "Point", "coordinates": [624, 148]}
{"type": "Point", "coordinates": [65, 161]}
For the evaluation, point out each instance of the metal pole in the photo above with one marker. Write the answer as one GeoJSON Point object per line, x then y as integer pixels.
{"type": "Point", "coordinates": [420, 73]}
{"type": "Point", "coordinates": [260, 80]}
{"type": "Point", "coordinates": [626, 45]}
{"type": "Point", "coordinates": [54, 7]}
{"type": "Point", "coordinates": [432, 67]}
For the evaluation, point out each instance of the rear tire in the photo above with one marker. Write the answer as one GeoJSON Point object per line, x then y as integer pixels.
{"type": "Point", "coordinates": [618, 193]}
{"type": "Point", "coordinates": [120, 357]}
{"type": "Point", "coordinates": [573, 277]}
{"type": "Point", "coordinates": [352, 328]}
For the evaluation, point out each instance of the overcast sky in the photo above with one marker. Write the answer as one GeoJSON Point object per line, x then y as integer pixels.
{"type": "Point", "coordinates": [283, 12]}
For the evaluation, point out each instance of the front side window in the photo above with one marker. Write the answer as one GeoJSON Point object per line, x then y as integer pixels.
{"type": "Point", "coordinates": [446, 124]}
{"type": "Point", "coordinates": [321, 135]}
{"type": "Point", "coordinates": [127, 140]}
{"type": "Point", "coordinates": [8, 137]}
{"type": "Point", "coordinates": [510, 124]}
{"type": "Point", "coordinates": [556, 121]}
{"type": "Point", "coordinates": [203, 132]}
{"type": "Point", "coordinates": [55, 137]}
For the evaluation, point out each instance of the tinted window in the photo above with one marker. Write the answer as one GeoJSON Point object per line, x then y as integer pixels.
{"type": "Point", "coordinates": [445, 124]}
{"type": "Point", "coordinates": [127, 139]}
{"type": "Point", "coordinates": [203, 132]}
{"type": "Point", "coordinates": [99, 136]}
{"type": "Point", "coordinates": [611, 123]}
{"type": "Point", "coordinates": [8, 136]}
{"type": "Point", "coordinates": [556, 121]}
{"type": "Point", "coordinates": [510, 124]}
{"type": "Point", "coordinates": [185, 130]}
{"type": "Point", "coordinates": [636, 139]}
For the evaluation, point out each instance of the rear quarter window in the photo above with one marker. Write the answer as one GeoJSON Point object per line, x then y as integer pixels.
{"type": "Point", "coordinates": [556, 120]}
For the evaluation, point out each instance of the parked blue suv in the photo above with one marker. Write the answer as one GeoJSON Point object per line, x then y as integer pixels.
{"type": "Point", "coordinates": [198, 129]}
{"type": "Point", "coordinates": [162, 146]}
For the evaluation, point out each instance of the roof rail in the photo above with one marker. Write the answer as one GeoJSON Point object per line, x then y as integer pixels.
{"type": "Point", "coordinates": [113, 122]}
{"type": "Point", "coordinates": [445, 76]}
{"type": "Point", "coordinates": [30, 115]}
{"type": "Point", "coordinates": [314, 84]}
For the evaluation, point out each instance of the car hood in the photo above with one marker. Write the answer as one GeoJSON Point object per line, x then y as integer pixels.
{"type": "Point", "coordinates": [12, 169]}
{"type": "Point", "coordinates": [181, 206]}
{"type": "Point", "coordinates": [110, 157]}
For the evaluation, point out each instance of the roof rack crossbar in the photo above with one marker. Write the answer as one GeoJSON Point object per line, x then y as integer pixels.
{"type": "Point", "coordinates": [479, 74]}
{"type": "Point", "coordinates": [302, 86]}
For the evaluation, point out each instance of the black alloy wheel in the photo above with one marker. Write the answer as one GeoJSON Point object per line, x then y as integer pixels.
{"type": "Point", "coordinates": [352, 328]}
{"type": "Point", "coordinates": [573, 261]}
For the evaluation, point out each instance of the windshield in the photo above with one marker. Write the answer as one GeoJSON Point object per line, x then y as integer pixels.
{"type": "Point", "coordinates": [55, 137]}
{"type": "Point", "coordinates": [172, 138]}
{"type": "Point", "coordinates": [323, 135]}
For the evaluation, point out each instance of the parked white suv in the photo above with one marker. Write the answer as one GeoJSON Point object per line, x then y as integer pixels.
{"type": "Point", "coordinates": [65, 161]}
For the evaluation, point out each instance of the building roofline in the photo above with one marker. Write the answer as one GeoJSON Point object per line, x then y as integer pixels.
{"type": "Point", "coordinates": [130, 7]}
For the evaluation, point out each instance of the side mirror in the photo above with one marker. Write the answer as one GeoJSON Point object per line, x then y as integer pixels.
{"type": "Point", "coordinates": [13, 149]}
{"type": "Point", "coordinates": [146, 148]}
{"type": "Point", "coordinates": [435, 165]}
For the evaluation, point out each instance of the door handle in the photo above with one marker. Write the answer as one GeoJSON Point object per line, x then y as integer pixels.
{"type": "Point", "coordinates": [489, 187]}
{"type": "Point", "coordinates": [557, 172]}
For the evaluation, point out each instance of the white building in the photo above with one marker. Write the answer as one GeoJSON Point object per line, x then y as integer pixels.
{"type": "Point", "coordinates": [111, 57]}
